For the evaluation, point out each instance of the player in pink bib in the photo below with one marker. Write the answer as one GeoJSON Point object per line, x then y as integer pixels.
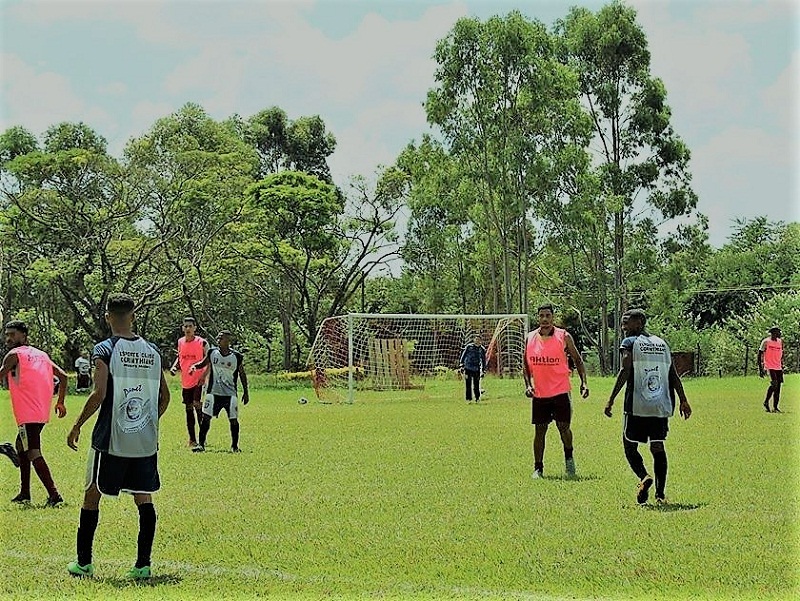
{"type": "Point", "coordinates": [546, 373]}
{"type": "Point", "coordinates": [191, 350]}
{"type": "Point", "coordinates": [30, 374]}
{"type": "Point", "coordinates": [770, 357]}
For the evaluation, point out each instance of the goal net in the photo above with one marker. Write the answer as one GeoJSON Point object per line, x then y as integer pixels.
{"type": "Point", "coordinates": [366, 351]}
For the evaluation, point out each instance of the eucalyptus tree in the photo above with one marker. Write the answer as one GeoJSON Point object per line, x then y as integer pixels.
{"type": "Point", "coordinates": [507, 108]}
{"type": "Point", "coordinates": [636, 149]}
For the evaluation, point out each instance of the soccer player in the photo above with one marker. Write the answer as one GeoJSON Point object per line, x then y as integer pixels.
{"type": "Point", "coordinates": [131, 392]}
{"type": "Point", "coordinates": [30, 374]}
{"type": "Point", "coordinates": [191, 350]}
{"type": "Point", "coordinates": [83, 368]}
{"type": "Point", "coordinates": [770, 357]}
{"type": "Point", "coordinates": [226, 369]}
{"type": "Point", "coordinates": [546, 373]}
{"type": "Point", "coordinates": [473, 363]}
{"type": "Point", "coordinates": [650, 382]}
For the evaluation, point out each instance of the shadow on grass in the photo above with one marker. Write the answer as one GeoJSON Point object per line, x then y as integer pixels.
{"type": "Point", "coordinates": [578, 478]}
{"type": "Point", "coordinates": [668, 507]}
{"type": "Point", "coordinates": [152, 582]}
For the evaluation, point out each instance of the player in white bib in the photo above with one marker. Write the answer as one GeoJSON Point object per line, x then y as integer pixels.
{"type": "Point", "coordinates": [226, 369]}
{"type": "Point", "coordinates": [132, 394]}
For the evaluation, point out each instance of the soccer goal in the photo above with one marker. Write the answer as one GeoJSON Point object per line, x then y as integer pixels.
{"type": "Point", "coordinates": [371, 351]}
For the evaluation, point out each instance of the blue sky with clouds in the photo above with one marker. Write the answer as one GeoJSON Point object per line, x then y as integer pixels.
{"type": "Point", "coordinates": [732, 71]}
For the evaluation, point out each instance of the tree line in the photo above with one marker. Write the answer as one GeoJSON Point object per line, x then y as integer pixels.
{"type": "Point", "coordinates": [550, 172]}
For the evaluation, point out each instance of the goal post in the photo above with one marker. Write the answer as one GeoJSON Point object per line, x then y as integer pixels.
{"type": "Point", "coordinates": [400, 351]}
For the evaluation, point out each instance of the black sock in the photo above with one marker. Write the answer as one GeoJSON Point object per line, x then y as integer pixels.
{"type": "Point", "coordinates": [205, 425]}
{"type": "Point", "coordinates": [86, 527]}
{"type": "Point", "coordinates": [538, 465]}
{"type": "Point", "coordinates": [234, 434]}
{"type": "Point", "coordinates": [147, 532]}
{"type": "Point", "coordinates": [660, 468]}
{"type": "Point", "coordinates": [567, 453]}
{"type": "Point", "coordinates": [634, 458]}
{"type": "Point", "coordinates": [190, 422]}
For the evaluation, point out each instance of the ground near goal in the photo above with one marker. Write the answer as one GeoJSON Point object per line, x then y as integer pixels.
{"type": "Point", "coordinates": [370, 351]}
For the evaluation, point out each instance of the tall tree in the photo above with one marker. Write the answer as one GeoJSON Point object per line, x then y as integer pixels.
{"type": "Point", "coordinates": [638, 149]}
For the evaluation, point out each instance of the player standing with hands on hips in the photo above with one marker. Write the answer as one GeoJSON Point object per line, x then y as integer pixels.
{"type": "Point", "coordinates": [650, 381]}
{"type": "Point", "coordinates": [546, 373]}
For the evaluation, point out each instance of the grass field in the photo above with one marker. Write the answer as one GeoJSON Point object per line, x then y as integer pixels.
{"type": "Point", "coordinates": [421, 496]}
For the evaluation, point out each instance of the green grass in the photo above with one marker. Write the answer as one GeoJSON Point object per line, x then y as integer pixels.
{"type": "Point", "coordinates": [421, 496]}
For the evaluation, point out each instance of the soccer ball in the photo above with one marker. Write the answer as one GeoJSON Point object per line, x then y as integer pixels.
{"type": "Point", "coordinates": [302, 400]}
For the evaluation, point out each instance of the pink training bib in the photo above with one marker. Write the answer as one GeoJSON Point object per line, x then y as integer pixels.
{"type": "Point", "coordinates": [547, 364]}
{"type": "Point", "coordinates": [773, 353]}
{"type": "Point", "coordinates": [31, 387]}
{"type": "Point", "coordinates": [188, 354]}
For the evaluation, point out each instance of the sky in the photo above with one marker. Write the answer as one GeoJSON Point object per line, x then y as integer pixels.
{"type": "Point", "coordinates": [731, 70]}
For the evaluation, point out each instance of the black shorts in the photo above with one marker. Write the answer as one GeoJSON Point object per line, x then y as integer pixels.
{"type": "Point", "coordinates": [113, 474]}
{"type": "Point", "coordinates": [545, 410]}
{"type": "Point", "coordinates": [636, 428]}
{"type": "Point", "coordinates": [192, 396]}
{"type": "Point", "coordinates": [776, 376]}
{"type": "Point", "coordinates": [30, 436]}
{"type": "Point", "coordinates": [84, 382]}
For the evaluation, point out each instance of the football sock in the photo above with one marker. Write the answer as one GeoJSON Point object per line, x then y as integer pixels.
{"type": "Point", "coordinates": [190, 422]}
{"type": "Point", "coordinates": [567, 453]}
{"type": "Point", "coordinates": [539, 465]}
{"type": "Point", "coordinates": [147, 532]}
{"type": "Point", "coordinates": [776, 397]}
{"type": "Point", "coordinates": [634, 458]}
{"type": "Point", "coordinates": [40, 465]}
{"type": "Point", "coordinates": [86, 528]}
{"type": "Point", "coordinates": [24, 474]}
{"type": "Point", "coordinates": [234, 434]}
{"type": "Point", "coordinates": [205, 425]}
{"type": "Point", "coordinates": [660, 469]}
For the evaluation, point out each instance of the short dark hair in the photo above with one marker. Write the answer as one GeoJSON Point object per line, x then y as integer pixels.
{"type": "Point", "coordinates": [120, 303]}
{"type": "Point", "coordinates": [18, 325]}
{"type": "Point", "coordinates": [190, 320]}
{"type": "Point", "coordinates": [224, 333]}
{"type": "Point", "coordinates": [546, 306]}
{"type": "Point", "coordinates": [636, 314]}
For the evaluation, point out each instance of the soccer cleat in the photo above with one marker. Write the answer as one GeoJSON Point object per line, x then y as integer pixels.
{"type": "Point", "coordinates": [20, 498]}
{"type": "Point", "coordinates": [776, 410]}
{"type": "Point", "coordinates": [766, 407]}
{"type": "Point", "coordinates": [198, 449]}
{"type": "Point", "coordinates": [643, 492]}
{"type": "Point", "coordinates": [76, 569]}
{"type": "Point", "coordinates": [139, 573]}
{"type": "Point", "coordinates": [192, 444]}
{"type": "Point", "coordinates": [236, 450]}
{"type": "Point", "coordinates": [537, 474]}
{"type": "Point", "coordinates": [569, 466]}
{"type": "Point", "coordinates": [662, 501]}
{"type": "Point", "coordinates": [54, 501]}
{"type": "Point", "coordinates": [9, 451]}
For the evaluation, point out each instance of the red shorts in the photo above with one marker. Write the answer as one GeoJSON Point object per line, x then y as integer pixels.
{"type": "Point", "coordinates": [545, 410]}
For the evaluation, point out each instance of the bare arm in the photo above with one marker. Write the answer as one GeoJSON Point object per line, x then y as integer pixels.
{"type": "Point", "coordinates": [625, 371]}
{"type": "Point", "coordinates": [92, 404]}
{"type": "Point", "coordinates": [578, 360]}
{"type": "Point", "coordinates": [245, 390]}
{"type": "Point", "coordinates": [526, 375]}
{"type": "Point", "coordinates": [675, 382]}
{"type": "Point", "coordinates": [9, 363]}
{"type": "Point", "coordinates": [61, 409]}
{"type": "Point", "coordinates": [163, 396]}
{"type": "Point", "coordinates": [202, 363]}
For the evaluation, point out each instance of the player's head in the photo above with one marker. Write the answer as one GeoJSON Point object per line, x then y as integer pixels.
{"type": "Point", "coordinates": [775, 332]}
{"type": "Point", "coordinates": [635, 322]}
{"type": "Point", "coordinates": [477, 339]}
{"type": "Point", "coordinates": [119, 309]}
{"type": "Point", "coordinates": [16, 333]}
{"type": "Point", "coordinates": [545, 314]}
{"type": "Point", "coordinates": [189, 325]}
{"type": "Point", "coordinates": [224, 339]}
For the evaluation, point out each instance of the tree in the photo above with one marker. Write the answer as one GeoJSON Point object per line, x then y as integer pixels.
{"type": "Point", "coordinates": [639, 151]}
{"type": "Point", "coordinates": [508, 110]}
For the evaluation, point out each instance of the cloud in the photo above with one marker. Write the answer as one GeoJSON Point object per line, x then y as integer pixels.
{"type": "Point", "coordinates": [44, 98]}
{"type": "Point", "coordinates": [114, 88]}
{"type": "Point", "coordinates": [780, 99]}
